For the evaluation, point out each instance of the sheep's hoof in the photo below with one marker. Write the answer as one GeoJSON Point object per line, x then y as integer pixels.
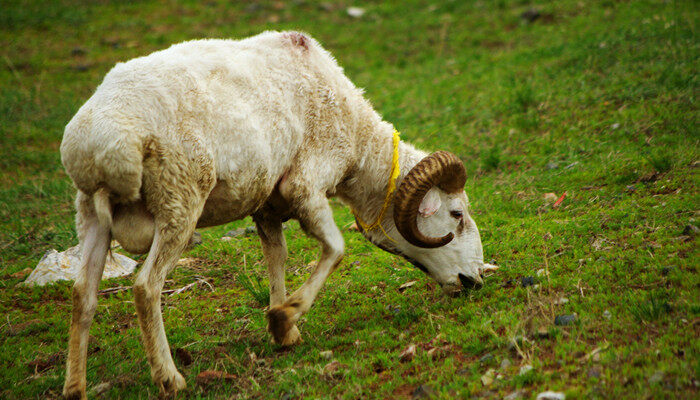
{"type": "Point", "coordinates": [171, 385]}
{"type": "Point", "coordinates": [74, 391]}
{"type": "Point", "coordinates": [284, 331]}
{"type": "Point", "coordinates": [74, 395]}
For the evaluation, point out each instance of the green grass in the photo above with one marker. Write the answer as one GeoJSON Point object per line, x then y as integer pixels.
{"type": "Point", "coordinates": [596, 99]}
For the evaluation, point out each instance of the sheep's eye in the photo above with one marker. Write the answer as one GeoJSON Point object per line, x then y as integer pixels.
{"type": "Point", "coordinates": [456, 214]}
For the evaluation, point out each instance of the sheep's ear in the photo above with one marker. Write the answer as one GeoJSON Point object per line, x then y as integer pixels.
{"type": "Point", "coordinates": [430, 204]}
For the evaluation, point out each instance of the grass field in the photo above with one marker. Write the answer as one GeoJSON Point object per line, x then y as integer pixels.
{"type": "Point", "coordinates": [594, 99]}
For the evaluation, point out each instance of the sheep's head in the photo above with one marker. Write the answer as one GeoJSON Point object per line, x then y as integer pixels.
{"type": "Point", "coordinates": [437, 234]}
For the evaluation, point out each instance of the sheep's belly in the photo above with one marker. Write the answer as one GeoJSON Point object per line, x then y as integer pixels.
{"type": "Point", "coordinates": [232, 201]}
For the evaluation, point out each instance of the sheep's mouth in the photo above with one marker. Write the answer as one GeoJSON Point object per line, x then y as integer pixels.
{"type": "Point", "coordinates": [469, 283]}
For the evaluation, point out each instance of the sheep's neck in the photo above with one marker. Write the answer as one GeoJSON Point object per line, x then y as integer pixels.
{"type": "Point", "coordinates": [365, 187]}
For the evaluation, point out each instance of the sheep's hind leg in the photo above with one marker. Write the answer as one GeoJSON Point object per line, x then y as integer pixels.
{"type": "Point", "coordinates": [317, 220]}
{"type": "Point", "coordinates": [275, 250]}
{"type": "Point", "coordinates": [94, 242]}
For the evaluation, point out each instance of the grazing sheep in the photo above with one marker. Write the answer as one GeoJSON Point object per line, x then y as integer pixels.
{"type": "Point", "coordinates": [210, 131]}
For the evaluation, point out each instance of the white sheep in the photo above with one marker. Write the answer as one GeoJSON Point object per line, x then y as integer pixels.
{"type": "Point", "coordinates": [211, 131]}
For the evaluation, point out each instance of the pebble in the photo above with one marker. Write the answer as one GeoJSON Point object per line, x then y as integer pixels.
{"type": "Point", "coordinates": [78, 51]}
{"type": "Point", "coordinates": [505, 363]}
{"type": "Point", "coordinates": [328, 354]}
{"type": "Point", "coordinates": [551, 396]}
{"type": "Point", "coordinates": [594, 372]}
{"type": "Point", "coordinates": [657, 377]}
{"type": "Point", "coordinates": [550, 197]}
{"type": "Point", "coordinates": [423, 392]}
{"type": "Point", "coordinates": [551, 165]}
{"type": "Point", "coordinates": [488, 377]}
{"type": "Point", "coordinates": [516, 340]}
{"type": "Point", "coordinates": [195, 240]}
{"type": "Point", "coordinates": [527, 281]}
{"type": "Point", "coordinates": [691, 230]}
{"type": "Point", "coordinates": [564, 320]}
{"type": "Point", "coordinates": [486, 358]}
{"type": "Point", "coordinates": [99, 389]}
{"type": "Point", "coordinates": [614, 126]}
{"type": "Point", "coordinates": [530, 15]}
{"type": "Point", "coordinates": [542, 272]}
{"type": "Point", "coordinates": [607, 315]}
{"type": "Point", "coordinates": [561, 300]}
{"type": "Point", "coordinates": [517, 395]}
{"type": "Point", "coordinates": [525, 369]}
{"type": "Point", "coordinates": [241, 231]}
{"type": "Point", "coordinates": [356, 12]}
{"type": "Point", "coordinates": [408, 354]}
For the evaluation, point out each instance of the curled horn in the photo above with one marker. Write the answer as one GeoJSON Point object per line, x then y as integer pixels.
{"type": "Point", "coordinates": [441, 169]}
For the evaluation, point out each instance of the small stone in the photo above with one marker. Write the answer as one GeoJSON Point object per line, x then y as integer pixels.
{"type": "Point", "coordinates": [550, 197]}
{"type": "Point", "coordinates": [517, 395]}
{"type": "Point", "coordinates": [594, 372]}
{"type": "Point", "coordinates": [560, 301]}
{"type": "Point", "coordinates": [423, 392]}
{"type": "Point", "coordinates": [515, 342]}
{"type": "Point", "coordinates": [564, 320]}
{"type": "Point", "coordinates": [614, 126]}
{"type": "Point", "coordinates": [241, 231]}
{"type": "Point", "coordinates": [100, 389]}
{"type": "Point", "coordinates": [195, 240]}
{"type": "Point", "coordinates": [82, 67]}
{"type": "Point", "coordinates": [406, 285]}
{"type": "Point", "coordinates": [78, 51]}
{"type": "Point", "coordinates": [356, 12]}
{"type": "Point", "coordinates": [542, 272]}
{"type": "Point", "coordinates": [408, 354]}
{"type": "Point", "coordinates": [691, 230]}
{"type": "Point", "coordinates": [525, 369]}
{"type": "Point", "coordinates": [530, 15]}
{"type": "Point", "coordinates": [527, 281]}
{"type": "Point", "coordinates": [551, 165]}
{"type": "Point", "coordinates": [486, 358]}
{"type": "Point", "coordinates": [505, 364]}
{"type": "Point", "coordinates": [327, 355]}
{"type": "Point", "coordinates": [226, 239]}
{"type": "Point", "coordinates": [332, 368]}
{"type": "Point", "coordinates": [607, 315]}
{"type": "Point", "coordinates": [488, 377]}
{"type": "Point", "coordinates": [657, 377]}
{"type": "Point", "coordinates": [551, 396]}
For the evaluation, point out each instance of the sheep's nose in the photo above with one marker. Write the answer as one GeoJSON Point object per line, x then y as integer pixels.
{"type": "Point", "coordinates": [470, 283]}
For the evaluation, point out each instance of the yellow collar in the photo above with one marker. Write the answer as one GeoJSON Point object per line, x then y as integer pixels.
{"type": "Point", "coordinates": [391, 187]}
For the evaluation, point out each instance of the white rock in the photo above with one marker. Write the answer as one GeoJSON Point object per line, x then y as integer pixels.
{"type": "Point", "coordinates": [55, 266]}
{"type": "Point", "coordinates": [551, 396]}
{"type": "Point", "coordinates": [525, 369]}
{"type": "Point", "coordinates": [356, 12]}
{"type": "Point", "coordinates": [487, 378]}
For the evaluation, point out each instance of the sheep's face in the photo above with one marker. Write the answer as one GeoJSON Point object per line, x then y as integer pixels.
{"type": "Point", "coordinates": [457, 265]}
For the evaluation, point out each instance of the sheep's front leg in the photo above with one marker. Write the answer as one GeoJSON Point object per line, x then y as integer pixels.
{"type": "Point", "coordinates": [316, 218]}
{"type": "Point", "coordinates": [94, 243]}
{"type": "Point", "coordinates": [275, 250]}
